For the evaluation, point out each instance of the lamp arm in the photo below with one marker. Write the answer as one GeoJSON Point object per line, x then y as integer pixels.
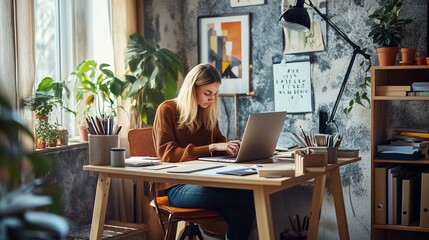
{"type": "Point", "coordinates": [356, 50]}
{"type": "Point", "coordinates": [343, 86]}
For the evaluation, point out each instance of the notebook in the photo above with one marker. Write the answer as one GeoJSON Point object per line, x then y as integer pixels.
{"type": "Point", "coordinates": [260, 138]}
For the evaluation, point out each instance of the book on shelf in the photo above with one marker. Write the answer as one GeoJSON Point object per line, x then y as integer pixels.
{"type": "Point", "coordinates": [418, 93]}
{"type": "Point", "coordinates": [403, 88]}
{"type": "Point", "coordinates": [408, 138]}
{"type": "Point", "coordinates": [397, 196]}
{"type": "Point", "coordinates": [391, 193]}
{"type": "Point", "coordinates": [411, 129]}
{"type": "Point", "coordinates": [415, 134]}
{"type": "Point", "coordinates": [424, 200]}
{"type": "Point", "coordinates": [410, 199]}
{"type": "Point", "coordinates": [399, 156]}
{"type": "Point", "coordinates": [391, 93]}
{"type": "Point", "coordinates": [398, 152]}
{"type": "Point", "coordinates": [418, 144]}
{"type": "Point", "coordinates": [396, 149]}
{"type": "Point", "coordinates": [420, 86]}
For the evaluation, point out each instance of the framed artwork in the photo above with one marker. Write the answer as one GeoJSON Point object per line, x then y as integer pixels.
{"type": "Point", "coordinates": [241, 3]}
{"type": "Point", "coordinates": [312, 41]}
{"type": "Point", "coordinates": [224, 42]}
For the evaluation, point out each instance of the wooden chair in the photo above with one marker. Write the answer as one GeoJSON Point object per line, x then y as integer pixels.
{"type": "Point", "coordinates": [141, 144]}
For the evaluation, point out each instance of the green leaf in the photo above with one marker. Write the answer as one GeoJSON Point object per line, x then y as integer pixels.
{"type": "Point", "coordinates": [157, 72]}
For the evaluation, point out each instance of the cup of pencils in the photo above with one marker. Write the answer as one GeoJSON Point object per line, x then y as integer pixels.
{"type": "Point", "coordinates": [299, 229]}
{"type": "Point", "coordinates": [103, 136]}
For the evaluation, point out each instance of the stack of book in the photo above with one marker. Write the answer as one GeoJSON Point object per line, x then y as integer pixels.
{"type": "Point", "coordinates": [406, 143]}
{"type": "Point", "coordinates": [419, 89]}
{"type": "Point", "coordinates": [392, 90]}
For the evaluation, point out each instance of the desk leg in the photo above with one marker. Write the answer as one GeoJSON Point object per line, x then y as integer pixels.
{"type": "Point", "coordinates": [100, 205]}
{"type": "Point", "coordinates": [264, 218]}
{"type": "Point", "coordinates": [337, 191]}
{"type": "Point", "coordinates": [316, 205]}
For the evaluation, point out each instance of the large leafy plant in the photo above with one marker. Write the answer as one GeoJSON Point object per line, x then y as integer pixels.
{"type": "Point", "coordinates": [387, 29]}
{"type": "Point", "coordinates": [153, 77]}
{"type": "Point", "coordinates": [18, 219]}
{"type": "Point", "coordinates": [98, 88]}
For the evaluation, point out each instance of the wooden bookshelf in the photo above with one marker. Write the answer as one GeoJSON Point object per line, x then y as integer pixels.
{"type": "Point", "coordinates": [380, 119]}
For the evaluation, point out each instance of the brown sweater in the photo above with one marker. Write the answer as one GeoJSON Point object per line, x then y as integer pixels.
{"type": "Point", "coordinates": [179, 145]}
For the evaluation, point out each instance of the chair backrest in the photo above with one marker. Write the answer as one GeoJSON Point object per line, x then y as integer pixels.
{"type": "Point", "coordinates": [141, 142]}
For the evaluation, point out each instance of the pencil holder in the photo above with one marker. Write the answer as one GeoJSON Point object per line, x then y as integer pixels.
{"type": "Point", "coordinates": [292, 235]}
{"type": "Point", "coordinates": [99, 148]}
{"type": "Point", "coordinates": [332, 155]}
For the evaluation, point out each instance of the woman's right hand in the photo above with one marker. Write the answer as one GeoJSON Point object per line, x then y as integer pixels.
{"type": "Point", "coordinates": [231, 147]}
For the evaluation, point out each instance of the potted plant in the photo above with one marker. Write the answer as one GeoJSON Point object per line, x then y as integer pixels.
{"type": "Point", "coordinates": [153, 77]}
{"type": "Point", "coordinates": [46, 134]}
{"type": "Point", "coordinates": [19, 218]}
{"type": "Point", "coordinates": [49, 95]}
{"type": "Point", "coordinates": [98, 89]}
{"type": "Point", "coordinates": [387, 30]}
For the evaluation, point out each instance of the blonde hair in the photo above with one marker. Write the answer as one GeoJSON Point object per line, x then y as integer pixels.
{"type": "Point", "coordinates": [191, 116]}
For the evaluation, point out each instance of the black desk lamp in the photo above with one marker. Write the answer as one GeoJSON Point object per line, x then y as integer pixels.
{"type": "Point", "coordinates": [297, 19]}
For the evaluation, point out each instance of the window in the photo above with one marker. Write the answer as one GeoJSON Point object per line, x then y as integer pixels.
{"type": "Point", "coordinates": [66, 33]}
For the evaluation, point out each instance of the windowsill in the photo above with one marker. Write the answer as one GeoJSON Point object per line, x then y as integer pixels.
{"type": "Point", "coordinates": [74, 143]}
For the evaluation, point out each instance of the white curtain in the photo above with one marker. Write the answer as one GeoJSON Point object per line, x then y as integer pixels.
{"type": "Point", "coordinates": [17, 59]}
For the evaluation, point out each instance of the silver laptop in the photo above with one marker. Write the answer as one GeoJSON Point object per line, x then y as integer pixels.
{"type": "Point", "coordinates": [259, 139]}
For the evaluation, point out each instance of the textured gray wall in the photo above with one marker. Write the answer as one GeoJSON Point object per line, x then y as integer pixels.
{"type": "Point", "coordinates": [173, 25]}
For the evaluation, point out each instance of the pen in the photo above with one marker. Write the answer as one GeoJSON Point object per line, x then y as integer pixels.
{"type": "Point", "coordinates": [298, 223]}
{"type": "Point", "coordinates": [305, 137]}
{"type": "Point", "coordinates": [119, 129]}
{"type": "Point", "coordinates": [292, 223]}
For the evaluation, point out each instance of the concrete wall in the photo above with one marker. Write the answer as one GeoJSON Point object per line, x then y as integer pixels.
{"type": "Point", "coordinates": [173, 25]}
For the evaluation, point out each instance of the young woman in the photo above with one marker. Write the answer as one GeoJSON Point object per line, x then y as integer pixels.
{"type": "Point", "coordinates": [186, 128]}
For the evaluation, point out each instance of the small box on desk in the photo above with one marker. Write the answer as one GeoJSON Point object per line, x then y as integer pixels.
{"type": "Point", "coordinates": [331, 153]}
{"type": "Point", "coordinates": [308, 161]}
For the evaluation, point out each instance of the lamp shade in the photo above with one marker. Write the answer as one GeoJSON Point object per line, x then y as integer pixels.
{"type": "Point", "coordinates": [296, 18]}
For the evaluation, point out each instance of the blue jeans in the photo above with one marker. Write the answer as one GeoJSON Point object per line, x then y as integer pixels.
{"type": "Point", "coordinates": [235, 206]}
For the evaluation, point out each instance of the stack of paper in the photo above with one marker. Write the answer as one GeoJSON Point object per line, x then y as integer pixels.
{"type": "Point", "coordinates": [142, 161]}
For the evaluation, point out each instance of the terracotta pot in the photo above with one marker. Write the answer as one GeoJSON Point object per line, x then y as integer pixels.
{"type": "Point", "coordinates": [40, 145]}
{"type": "Point", "coordinates": [387, 55]}
{"type": "Point", "coordinates": [421, 61]}
{"type": "Point", "coordinates": [51, 144]}
{"type": "Point", "coordinates": [83, 133]}
{"type": "Point", "coordinates": [42, 118]}
{"type": "Point", "coordinates": [408, 56]}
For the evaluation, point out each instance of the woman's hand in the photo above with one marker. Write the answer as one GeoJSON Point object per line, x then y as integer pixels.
{"type": "Point", "coordinates": [231, 147]}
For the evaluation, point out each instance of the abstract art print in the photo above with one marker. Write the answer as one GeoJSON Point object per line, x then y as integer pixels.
{"type": "Point", "coordinates": [224, 42]}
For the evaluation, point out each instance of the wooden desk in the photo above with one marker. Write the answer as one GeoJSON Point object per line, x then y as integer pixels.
{"type": "Point", "coordinates": [262, 188]}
